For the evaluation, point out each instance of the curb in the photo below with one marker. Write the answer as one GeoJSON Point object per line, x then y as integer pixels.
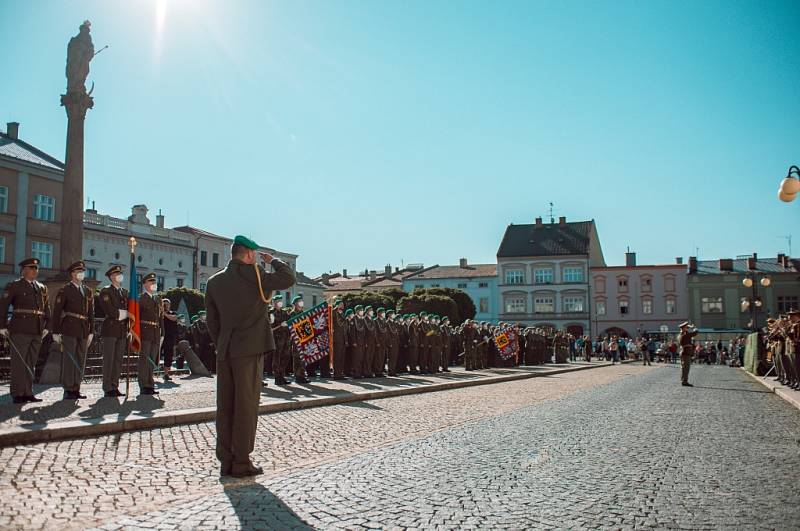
{"type": "Point", "coordinates": [789, 395]}
{"type": "Point", "coordinates": [37, 433]}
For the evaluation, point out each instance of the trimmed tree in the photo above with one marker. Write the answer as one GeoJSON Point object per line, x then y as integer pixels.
{"type": "Point", "coordinates": [439, 304]}
{"type": "Point", "coordinates": [368, 298]}
{"type": "Point", "coordinates": [395, 294]}
{"type": "Point", "coordinates": [466, 308]}
{"type": "Point", "coordinates": [195, 300]}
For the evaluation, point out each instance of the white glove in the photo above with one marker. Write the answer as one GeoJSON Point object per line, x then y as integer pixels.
{"type": "Point", "coordinates": [284, 324]}
{"type": "Point", "coordinates": [89, 340]}
{"type": "Point", "coordinates": [4, 332]}
{"type": "Point", "coordinates": [161, 342]}
{"type": "Point", "coordinates": [123, 314]}
{"type": "Point", "coordinates": [45, 332]}
{"type": "Point", "coordinates": [57, 338]}
{"type": "Point", "coordinates": [129, 336]}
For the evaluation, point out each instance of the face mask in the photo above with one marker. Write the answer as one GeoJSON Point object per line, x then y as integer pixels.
{"type": "Point", "coordinates": [371, 314]}
{"type": "Point", "coordinates": [300, 304]}
{"type": "Point", "coordinates": [80, 276]}
{"type": "Point", "coordinates": [278, 304]}
{"type": "Point", "coordinates": [361, 314]}
{"type": "Point", "coordinates": [152, 288]}
{"type": "Point", "coordinates": [118, 279]}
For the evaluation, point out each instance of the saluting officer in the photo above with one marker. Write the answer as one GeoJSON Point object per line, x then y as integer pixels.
{"type": "Point", "coordinates": [114, 303]}
{"type": "Point", "coordinates": [28, 326]}
{"type": "Point", "coordinates": [687, 351]}
{"type": "Point", "coordinates": [73, 329]}
{"type": "Point", "coordinates": [151, 314]}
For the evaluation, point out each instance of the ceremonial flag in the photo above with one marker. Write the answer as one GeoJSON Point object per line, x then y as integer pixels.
{"type": "Point", "coordinates": [507, 342]}
{"type": "Point", "coordinates": [311, 333]}
{"type": "Point", "coordinates": [134, 326]}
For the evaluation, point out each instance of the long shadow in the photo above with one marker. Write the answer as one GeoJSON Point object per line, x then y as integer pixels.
{"type": "Point", "coordinates": [258, 508]}
{"type": "Point", "coordinates": [732, 389]}
{"type": "Point", "coordinates": [53, 410]}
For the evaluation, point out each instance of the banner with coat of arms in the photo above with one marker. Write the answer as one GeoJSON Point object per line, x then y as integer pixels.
{"type": "Point", "coordinates": [311, 332]}
{"type": "Point", "coordinates": [507, 342]}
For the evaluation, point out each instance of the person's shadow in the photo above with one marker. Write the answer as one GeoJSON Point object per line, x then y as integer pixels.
{"type": "Point", "coordinates": [258, 508]}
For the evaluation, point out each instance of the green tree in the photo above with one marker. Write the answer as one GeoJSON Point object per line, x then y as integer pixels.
{"type": "Point", "coordinates": [368, 298]}
{"type": "Point", "coordinates": [466, 308]}
{"type": "Point", "coordinates": [395, 294]}
{"type": "Point", "coordinates": [441, 305]}
{"type": "Point", "coordinates": [195, 300]}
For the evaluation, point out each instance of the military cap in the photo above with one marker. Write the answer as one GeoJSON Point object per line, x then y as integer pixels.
{"type": "Point", "coordinates": [277, 297]}
{"type": "Point", "coordinates": [348, 311]}
{"type": "Point", "coordinates": [381, 310]}
{"type": "Point", "coordinates": [113, 270]}
{"type": "Point", "coordinates": [78, 266]}
{"type": "Point", "coordinates": [793, 312]}
{"type": "Point", "coordinates": [337, 301]}
{"type": "Point", "coordinates": [29, 262]}
{"type": "Point", "coordinates": [194, 318]}
{"type": "Point", "coordinates": [359, 307]}
{"type": "Point", "coordinates": [389, 312]}
{"type": "Point", "coordinates": [683, 324]}
{"type": "Point", "coordinates": [245, 242]}
{"type": "Point", "coordinates": [150, 277]}
{"type": "Point", "coordinates": [201, 313]}
{"type": "Point", "coordinates": [423, 314]}
{"type": "Point", "coordinates": [297, 298]}
{"type": "Point", "coordinates": [445, 318]}
{"type": "Point", "coordinates": [368, 308]}
{"type": "Point", "coordinates": [771, 320]}
{"type": "Point", "coordinates": [412, 315]}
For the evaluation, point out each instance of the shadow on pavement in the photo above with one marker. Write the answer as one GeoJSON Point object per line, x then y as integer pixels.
{"type": "Point", "coordinates": [733, 389]}
{"type": "Point", "coordinates": [258, 508]}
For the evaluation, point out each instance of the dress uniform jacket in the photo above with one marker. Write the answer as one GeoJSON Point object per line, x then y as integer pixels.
{"type": "Point", "coordinates": [31, 315]}
{"type": "Point", "coordinates": [151, 316]}
{"type": "Point", "coordinates": [111, 301]}
{"type": "Point", "coordinates": [73, 311]}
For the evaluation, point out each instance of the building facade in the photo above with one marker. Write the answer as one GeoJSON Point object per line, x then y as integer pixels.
{"type": "Point", "coordinates": [31, 193]}
{"type": "Point", "coordinates": [716, 290]}
{"type": "Point", "coordinates": [633, 299]}
{"type": "Point", "coordinates": [479, 281]}
{"type": "Point", "coordinates": [543, 274]}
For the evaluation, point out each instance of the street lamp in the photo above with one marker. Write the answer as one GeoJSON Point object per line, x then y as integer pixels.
{"type": "Point", "coordinates": [790, 185]}
{"type": "Point", "coordinates": [754, 303]}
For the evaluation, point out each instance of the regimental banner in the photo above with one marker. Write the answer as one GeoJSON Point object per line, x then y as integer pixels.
{"type": "Point", "coordinates": [507, 342]}
{"type": "Point", "coordinates": [311, 332]}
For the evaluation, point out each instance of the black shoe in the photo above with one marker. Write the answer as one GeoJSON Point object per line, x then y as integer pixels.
{"type": "Point", "coordinates": [148, 391]}
{"type": "Point", "coordinates": [686, 384]}
{"type": "Point", "coordinates": [392, 374]}
{"type": "Point", "coordinates": [280, 380]}
{"type": "Point", "coordinates": [340, 377]}
{"type": "Point", "coordinates": [246, 471]}
{"type": "Point", "coordinates": [71, 396]}
{"type": "Point", "coordinates": [116, 393]}
{"type": "Point", "coordinates": [264, 383]}
{"type": "Point", "coordinates": [326, 376]}
{"type": "Point", "coordinates": [31, 398]}
{"type": "Point", "coordinates": [20, 399]}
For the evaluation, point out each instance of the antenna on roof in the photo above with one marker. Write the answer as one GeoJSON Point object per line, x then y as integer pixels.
{"type": "Point", "coordinates": [789, 241]}
{"type": "Point", "coordinates": [552, 219]}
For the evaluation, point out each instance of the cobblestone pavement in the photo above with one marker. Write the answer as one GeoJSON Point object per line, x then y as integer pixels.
{"type": "Point", "coordinates": [616, 447]}
{"type": "Point", "coordinates": [188, 392]}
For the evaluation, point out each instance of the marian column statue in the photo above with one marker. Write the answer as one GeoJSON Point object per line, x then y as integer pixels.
{"type": "Point", "coordinates": [79, 52]}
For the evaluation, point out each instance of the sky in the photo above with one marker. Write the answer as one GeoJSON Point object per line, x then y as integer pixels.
{"type": "Point", "coordinates": [357, 133]}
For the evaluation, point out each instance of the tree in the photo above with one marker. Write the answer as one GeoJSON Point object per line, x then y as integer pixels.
{"type": "Point", "coordinates": [466, 308]}
{"type": "Point", "coordinates": [441, 305]}
{"type": "Point", "coordinates": [195, 300]}
{"type": "Point", "coordinates": [395, 294]}
{"type": "Point", "coordinates": [368, 298]}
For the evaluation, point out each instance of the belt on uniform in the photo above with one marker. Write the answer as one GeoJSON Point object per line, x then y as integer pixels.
{"type": "Point", "coordinates": [149, 323]}
{"type": "Point", "coordinates": [76, 316]}
{"type": "Point", "coordinates": [29, 312]}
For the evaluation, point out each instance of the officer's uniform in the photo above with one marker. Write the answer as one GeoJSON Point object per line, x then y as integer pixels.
{"type": "Point", "coordinates": [381, 343]}
{"type": "Point", "coordinates": [113, 301]}
{"type": "Point", "coordinates": [687, 351]}
{"type": "Point", "coordinates": [72, 322]}
{"type": "Point", "coordinates": [28, 325]}
{"type": "Point", "coordinates": [394, 343]}
{"type": "Point", "coordinates": [300, 374]}
{"type": "Point", "coordinates": [151, 321]}
{"type": "Point", "coordinates": [339, 328]}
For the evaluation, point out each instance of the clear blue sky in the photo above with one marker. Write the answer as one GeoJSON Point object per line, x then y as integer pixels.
{"type": "Point", "coordinates": [357, 133]}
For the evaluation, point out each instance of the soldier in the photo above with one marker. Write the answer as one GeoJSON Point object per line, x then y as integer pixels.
{"type": "Point", "coordinates": [236, 301]}
{"type": "Point", "coordinates": [339, 327]}
{"type": "Point", "coordinates": [151, 315]}
{"type": "Point", "coordinates": [372, 342]}
{"type": "Point", "coordinates": [381, 343]}
{"type": "Point", "coordinates": [394, 333]}
{"type": "Point", "coordinates": [425, 346]}
{"type": "Point", "coordinates": [28, 326]}
{"type": "Point", "coordinates": [73, 329]}
{"type": "Point", "coordinates": [412, 331]}
{"type": "Point", "coordinates": [470, 336]}
{"type": "Point", "coordinates": [203, 343]}
{"type": "Point", "coordinates": [170, 333]}
{"type": "Point", "coordinates": [282, 355]}
{"type": "Point", "coordinates": [114, 303]}
{"type": "Point", "coordinates": [402, 356]}
{"type": "Point", "coordinates": [300, 369]}
{"type": "Point", "coordinates": [447, 343]}
{"type": "Point", "coordinates": [687, 351]}
{"type": "Point", "coordinates": [358, 341]}
{"type": "Point", "coordinates": [793, 339]}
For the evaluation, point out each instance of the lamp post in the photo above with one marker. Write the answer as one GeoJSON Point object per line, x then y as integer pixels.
{"type": "Point", "coordinates": [790, 185]}
{"type": "Point", "coordinates": [754, 302]}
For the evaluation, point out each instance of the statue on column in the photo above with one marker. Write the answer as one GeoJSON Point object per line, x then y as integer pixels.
{"type": "Point", "coordinates": [79, 52]}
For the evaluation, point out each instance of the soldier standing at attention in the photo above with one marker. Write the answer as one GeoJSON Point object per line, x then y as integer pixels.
{"type": "Point", "coordinates": [394, 343]}
{"type": "Point", "coordinates": [447, 342]}
{"type": "Point", "coordinates": [381, 343]}
{"type": "Point", "coordinates": [412, 329]}
{"type": "Point", "coordinates": [687, 350]}
{"type": "Point", "coordinates": [27, 328]}
{"type": "Point", "coordinates": [114, 303]}
{"type": "Point", "coordinates": [300, 372]}
{"type": "Point", "coordinates": [151, 317]}
{"type": "Point", "coordinates": [372, 342]}
{"type": "Point", "coordinates": [73, 329]}
{"type": "Point", "coordinates": [282, 356]}
{"type": "Point", "coordinates": [358, 342]}
{"type": "Point", "coordinates": [339, 325]}
{"type": "Point", "coordinates": [238, 321]}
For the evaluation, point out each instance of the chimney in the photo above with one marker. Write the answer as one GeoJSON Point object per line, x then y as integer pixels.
{"type": "Point", "coordinates": [726, 264]}
{"type": "Point", "coordinates": [562, 220]}
{"type": "Point", "coordinates": [630, 259]}
{"type": "Point", "coordinates": [679, 260]}
{"type": "Point", "coordinates": [692, 264]}
{"type": "Point", "coordinates": [344, 273]}
{"type": "Point", "coordinates": [160, 219]}
{"type": "Point", "coordinates": [92, 210]}
{"type": "Point", "coordinates": [325, 278]}
{"type": "Point", "coordinates": [781, 259]}
{"type": "Point", "coordinates": [387, 271]}
{"type": "Point", "coordinates": [538, 221]}
{"type": "Point", "coordinates": [12, 130]}
{"type": "Point", "coordinates": [462, 263]}
{"type": "Point", "coordinates": [396, 269]}
{"type": "Point", "coordinates": [752, 262]}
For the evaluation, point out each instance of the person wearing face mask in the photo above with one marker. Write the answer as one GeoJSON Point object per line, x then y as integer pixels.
{"type": "Point", "coordinates": [114, 303]}
{"type": "Point", "coordinates": [371, 346]}
{"type": "Point", "coordinates": [339, 326]}
{"type": "Point", "coordinates": [412, 330]}
{"type": "Point", "coordinates": [358, 341]}
{"type": "Point", "coordinates": [282, 356]}
{"type": "Point", "coordinates": [300, 375]}
{"type": "Point", "coordinates": [381, 343]}
{"type": "Point", "coordinates": [28, 326]}
{"type": "Point", "coordinates": [151, 314]}
{"type": "Point", "coordinates": [73, 329]}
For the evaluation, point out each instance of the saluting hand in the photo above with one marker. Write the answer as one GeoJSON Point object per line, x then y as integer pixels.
{"type": "Point", "coordinates": [266, 257]}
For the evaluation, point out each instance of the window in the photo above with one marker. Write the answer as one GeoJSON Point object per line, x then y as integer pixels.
{"type": "Point", "coordinates": [116, 256]}
{"type": "Point", "coordinates": [573, 304]}
{"type": "Point", "coordinates": [544, 304]}
{"type": "Point", "coordinates": [543, 276]}
{"type": "Point", "coordinates": [2, 249]}
{"type": "Point", "coordinates": [622, 283]}
{"type": "Point", "coordinates": [669, 283]}
{"type": "Point", "coordinates": [483, 305]}
{"type": "Point", "coordinates": [419, 286]}
{"type": "Point", "coordinates": [647, 284]}
{"type": "Point", "coordinates": [670, 306]}
{"type": "Point", "coordinates": [647, 306]}
{"type": "Point", "coordinates": [203, 287]}
{"type": "Point", "coordinates": [215, 260]}
{"type": "Point", "coordinates": [313, 300]}
{"type": "Point", "coordinates": [91, 273]}
{"type": "Point", "coordinates": [573, 274]}
{"type": "Point", "coordinates": [3, 199]}
{"type": "Point", "coordinates": [160, 283]}
{"type": "Point", "coordinates": [600, 284]}
{"type": "Point", "coordinates": [515, 305]}
{"type": "Point", "coordinates": [483, 284]}
{"type": "Point", "coordinates": [139, 259]}
{"type": "Point", "coordinates": [600, 307]}
{"type": "Point", "coordinates": [180, 265]}
{"type": "Point", "coordinates": [91, 252]}
{"type": "Point", "coordinates": [434, 285]}
{"type": "Point", "coordinates": [515, 276]}
{"type": "Point", "coordinates": [160, 261]}
{"type": "Point", "coordinates": [139, 277]}
{"type": "Point", "coordinates": [44, 207]}
{"type": "Point", "coordinates": [180, 282]}
{"type": "Point", "coordinates": [787, 302]}
{"type": "Point", "coordinates": [711, 304]}
{"type": "Point", "coordinates": [203, 258]}
{"type": "Point", "coordinates": [462, 285]}
{"type": "Point", "coordinates": [623, 307]}
{"type": "Point", "coordinates": [44, 252]}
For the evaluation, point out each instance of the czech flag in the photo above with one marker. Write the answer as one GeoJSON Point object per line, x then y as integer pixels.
{"type": "Point", "coordinates": [134, 326]}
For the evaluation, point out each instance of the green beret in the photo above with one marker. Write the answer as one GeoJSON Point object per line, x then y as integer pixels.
{"type": "Point", "coordinates": [445, 318]}
{"type": "Point", "coordinates": [201, 312]}
{"type": "Point", "coordinates": [337, 301]}
{"type": "Point", "coordinates": [359, 307]}
{"type": "Point", "coordinates": [381, 310]}
{"type": "Point", "coordinates": [389, 312]}
{"type": "Point", "coordinates": [368, 308]}
{"type": "Point", "coordinates": [297, 298]}
{"type": "Point", "coordinates": [245, 241]}
{"type": "Point", "coordinates": [412, 315]}
{"type": "Point", "coordinates": [277, 297]}
{"type": "Point", "coordinates": [194, 318]}
{"type": "Point", "coordinates": [423, 314]}
{"type": "Point", "coordinates": [347, 312]}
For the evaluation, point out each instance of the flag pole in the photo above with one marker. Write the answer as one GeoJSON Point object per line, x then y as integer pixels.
{"type": "Point", "coordinates": [132, 243]}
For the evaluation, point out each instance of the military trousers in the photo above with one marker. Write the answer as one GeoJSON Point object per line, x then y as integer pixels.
{"type": "Point", "coordinates": [394, 358]}
{"type": "Point", "coordinates": [238, 396]}
{"type": "Point", "coordinates": [379, 361]}
{"type": "Point", "coordinates": [24, 354]}
{"type": "Point", "coordinates": [339, 358]}
{"type": "Point", "coordinates": [686, 364]}
{"type": "Point", "coordinates": [148, 361]}
{"type": "Point", "coordinates": [469, 357]}
{"type": "Point", "coordinates": [357, 361]}
{"type": "Point", "coordinates": [297, 363]}
{"type": "Point", "coordinates": [369, 359]}
{"type": "Point", "coordinates": [281, 358]}
{"type": "Point", "coordinates": [413, 357]}
{"type": "Point", "coordinates": [777, 358]}
{"type": "Point", "coordinates": [114, 349]}
{"type": "Point", "coordinates": [73, 362]}
{"type": "Point", "coordinates": [425, 358]}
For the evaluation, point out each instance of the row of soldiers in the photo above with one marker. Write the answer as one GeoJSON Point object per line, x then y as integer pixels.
{"type": "Point", "coordinates": [783, 341]}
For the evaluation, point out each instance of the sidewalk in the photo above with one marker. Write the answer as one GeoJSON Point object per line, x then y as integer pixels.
{"type": "Point", "coordinates": [788, 394]}
{"type": "Point", "coordinates": [191, 399]}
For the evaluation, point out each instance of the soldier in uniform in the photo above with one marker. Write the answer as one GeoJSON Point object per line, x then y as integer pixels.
{"type": "Point", "coordinates": [339, 326]}
{"type": "Point", "coordinates": [372, 342]}
{"type": "Point", "coordinates": [381, 343]}
{"type": "Point", "coordinates": [300, 370]}
{"type": "Point", "coordinates": [471, 338]}
{"type": "Point", "coordinates": [447, 343]}
{"type": "Point", "coordinates": [412, 330]}
{"type": "Point", "coordinates": [282, 357]}
{"type": "Point", "coordinates": [114, 303]}
{"type": "Point", "coordinates": [236, 301]}
{"type": "Point", "coordinates": [203, 343]}
{"type": "Point", "coordinates": [793, 340]}
{"type": "Point", "coordinates": [151, 315]}
{"type": "Point", "coordinates": [28, 326]}
{"type": "Point", "coordinates": [358, 342]}
{"type": "Point", "coordinates": [73, 329]}
{"type": "Point", "coordinates": [687, 351]}
{"type": "Point", "coordinates": [394, 328]}
{"type": "Point", "coordinates": [425, 343]}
